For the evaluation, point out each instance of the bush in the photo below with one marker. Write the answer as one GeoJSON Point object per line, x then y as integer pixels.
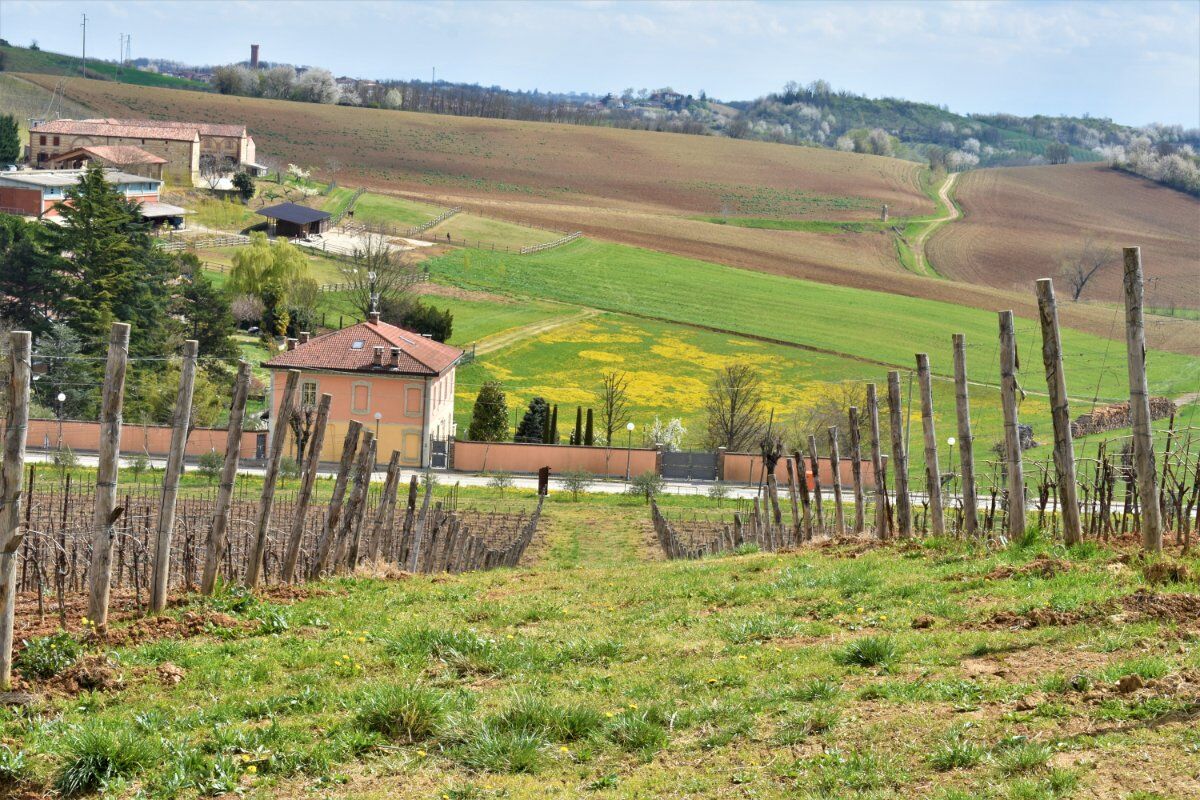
{"type": "Point", "coordinates": [210, 465]}
{"type": "Point", "coordinates": [64, 458]}
{"type": "Point", "coordinates": [718, 491]}
{"type": "Point", "coordinates": [139, 463]}
{"type": "Point", "coordinates": [576, 482]}
{"type": "Point", "coordinates": [289, 468]}
{"type": "Point", "coordinates": [501, 481]}
{"type": "Point", "coordinates": [47, 656]}
{"type": "Point", "coordinates": [429, 480]}
{"type": "Point", "coordinates": [94, 756]}
{"type": "Point", "coordinates": [407, 713]}
{"type": "Point", "coordinates": [647, 485]}
{"type": "Point", "coordinates": [870, 651]}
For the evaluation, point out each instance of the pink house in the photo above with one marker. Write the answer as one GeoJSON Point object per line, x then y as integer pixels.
{"type": "Point", "coordinates": [398, 384]}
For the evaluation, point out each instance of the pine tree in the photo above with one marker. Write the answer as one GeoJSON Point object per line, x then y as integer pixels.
{"type": "Point", "coordinates": [205, 310]}
{"type": "Point", "coordinates": [10, 140]}
{"type": "Point", "coordinates": [588, 437]}
{"type": "Point", "coordinates": [31, 276]}
{"type": "Point", "coordinates": [489, 417]}
{"type": "Point", "coordinates": [533, 425]}
{"type": "Point", "coordinates": [578, 437]}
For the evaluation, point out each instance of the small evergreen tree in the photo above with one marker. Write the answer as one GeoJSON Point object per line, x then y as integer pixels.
{"type": "Point", "coordinates": [554, 425]}
{"type": "Point", "coordinates": [589, 438]}
{"type": "Point", "coordinates": [489, 417]}
{"type": "Point", "coordinates": [244, 184]}
{"type": "Point", "coordinates": [10, 140]}
{"type": "Point", "coordinates": [533, 425]}
{"type": "Point", "coordinates": [577, 438]}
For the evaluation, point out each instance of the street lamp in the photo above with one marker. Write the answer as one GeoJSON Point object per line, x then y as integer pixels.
{"type": "Point", "coordinates": [378, 416]}
{"type": "Point", "coordinates": [950, 448]}
{"type": "Point", "coordinates": [628, 450]}
{"type": "Point", "coordinates": [62, 398]}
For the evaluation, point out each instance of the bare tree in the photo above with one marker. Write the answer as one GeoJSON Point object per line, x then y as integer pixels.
{"type": "Point", "coordinates": [212, 169]}
{"type": "Point", "coordinates": [734, 409]}
{"type": "Point", "coordinates": [381, 278]}
{"type": "Point", "coordinates": [827, 406]}
{"type": "Point", "coordinates": [614, 404]}
{"type": "Point", "coordinates": [246, 308]}
{"type": "Point", "coordinates": [1081, 264]}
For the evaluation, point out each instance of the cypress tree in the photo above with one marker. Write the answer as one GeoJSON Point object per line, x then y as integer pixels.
{"type": "Point", "coordinates": [588, 438]}
{"type": "Point", "coordinates": [489, 417]}
{"type": "Point", "coordinates": [578, 437]}
{"type": "Point", "coordinates": [10, 139]}
{"type": "Point", "coordinates": [554, 425]}
{"type": "Point", "coordinates": [532, 427]}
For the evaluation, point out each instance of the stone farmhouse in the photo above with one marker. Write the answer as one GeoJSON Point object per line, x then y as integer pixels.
{"type": "Point", "coordinates": [397, 383]}
{"type": "Point", "coordinates": [181, 145]}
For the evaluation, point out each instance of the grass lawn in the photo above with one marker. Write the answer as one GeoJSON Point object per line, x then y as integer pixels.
{"type": "Point", "coordinates": [398, 211]}
{"type": "Point", "coordinates": [858, 323]}
{"type": "Point", "coordinates": [486, 233]}
{"type": "Point", "coordinates": [599, 671]}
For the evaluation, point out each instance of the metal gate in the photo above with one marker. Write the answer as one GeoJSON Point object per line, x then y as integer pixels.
{"type": "Point", "coordinates": [437, 453]}
{"type": "Point", "coordinates": [688, 466]}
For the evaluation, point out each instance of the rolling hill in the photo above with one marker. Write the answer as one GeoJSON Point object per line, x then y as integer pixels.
{"type": "Point", "coordinates": [658, 191]}
{"type": "Point", "coordinates": [22, 59]}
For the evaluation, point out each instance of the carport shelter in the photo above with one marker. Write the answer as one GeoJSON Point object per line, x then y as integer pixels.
{"type": "Point", "coordinates": [295, 222]}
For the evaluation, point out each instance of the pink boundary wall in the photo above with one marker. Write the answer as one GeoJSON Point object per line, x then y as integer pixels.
{"type": "Point", "coordinates": [528, 458]}
{"type": "Point", "coordinates": [747, 468]}
{"type": "Point", "coordinates": [152, 439]}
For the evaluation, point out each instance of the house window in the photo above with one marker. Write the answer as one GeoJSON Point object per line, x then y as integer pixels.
{"type": "Point", "coordinates": [412, 401]}
{"type": "Point", "coordinates": [56, 141]}
{"type": "Point", "coordinates": [308, 394]}
{"type": "Point", "coordinates": [360, 398]}
{"type": "Point", "coordinates": [41, 139]}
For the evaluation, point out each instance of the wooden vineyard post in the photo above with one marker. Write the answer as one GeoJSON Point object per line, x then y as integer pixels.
{"type": "Point", "coordinates": [1012, 430]}
{"type": "Point", "coordinates": [966, 441]}
{"type": "Point", "coordinates": [166, 509]}
{"type": "Point", "coordinates": [106, 512]}
{"type": "Point", "coordinates": [860, 512]}
{"type": "Point", "coordinates": [266, 503]}
{"type": "Point", "coordinates": [1060, 412]}
{"type": "Point", "coordinates": [899, 456]}
{"type": "Point", "coordinates": [1139, 404]}
{"type": "Point", "coordinates": [20, 367]}
{"type": "Point", "coordinates": [387, 505]}
{"type": "Point", "coordinates": [316, 443]}
{"type": "Point", "coordinates": [333, 513]}
{"type": "Point", "coordinates": [881, 529]}
{"type": "Point", "coordinates": [347, 552]}
{"type": "Point", "coordinates": [217, 534]}
{"type": "Point", "coordinates": [805, 501]}
{"type": "Point", "coordinates": [933, 472]}
{"type": "Point", "coordinates": [797, 522]}
{"type": "Point", "coordinates": [835, 464]}
{"type": "Point", "coordinates": [815, 466]}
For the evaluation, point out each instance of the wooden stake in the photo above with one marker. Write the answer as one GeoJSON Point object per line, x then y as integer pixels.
{"type": "Point", "coordinates": [1139, 404]}
{"type": "Point", "coordinates": [13, 471]}
{"type": "Point", "coordinates": [352, 530]}
{"type": "Point", "coordinates": [1060, 412]}
{"type": "Point", "coordinates": [166, 510]}
{"type": "Point", "coordinates": [797, 522]}
{"type": "Point", "coordinates": [333, 513]}
{"type": "Point", "coordinates": [860, 503]}
{"type": "Point", "coordinates": [387, 503]}
{"type": "Point", "coordinates": [106, 474]}
{"type": "Point", "coordinates": [218, 533]}
{"type": "Point", "coordinates": [311, 467]}
{"type": "Point", "coordinates": [815, 465]}
{"type": "Point", "coordinates": [899, 456]}
{"type": "Point", "coordinates": [266, 502]}
{"type": "Point", "coordinates": [933, 472]}
{"type": "Point", "coordinates": [1012, 431]}
{"type": "Point", "coordinates": [835, 463]}
{"type": "Point", "coordinates": [877, 462]}
{"type": "Point", "coordinates": [966, 441]}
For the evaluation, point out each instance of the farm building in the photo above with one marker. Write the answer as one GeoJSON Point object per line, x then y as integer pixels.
{"type": "Point", "coordinates": [126, 158]}
{"type": "Point", "coordinates": [36, 193]}
{"type": "Point", "coordinates": [398, 384]}
{"type": "Point", "coordinates": [294, 221]}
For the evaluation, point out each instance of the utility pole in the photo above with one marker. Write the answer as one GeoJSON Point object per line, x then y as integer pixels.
{"type": "Point", "coordinates": [83, 54]}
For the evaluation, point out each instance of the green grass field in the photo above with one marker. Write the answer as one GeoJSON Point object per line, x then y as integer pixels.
{"type": "Point", "coordinates": [599, 671]}
{"type": "Point", "coordinates": [858, 324]}
{"type": "Point", "coordinates": [22, 59]}
{"type": "Point", "coordinates": [486, 233]}
{"type": "Point", "coordinates": [397, 211]}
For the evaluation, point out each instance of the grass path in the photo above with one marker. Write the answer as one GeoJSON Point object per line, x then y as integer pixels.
{"type": "Point", "coordinates": [508, 338]}
{"type": "Point", "coordinates": [923, 267]}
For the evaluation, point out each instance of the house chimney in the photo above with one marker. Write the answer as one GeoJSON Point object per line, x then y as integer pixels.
{"type": "Point", "coordinates": [395, 362]}
{"type": "Point", "coordinates": [253, 56]}
{"type": "Point", "coordinates": [374, 317]}
{"type": "Point", "coordinates": [304, 337]}
{"type": "Point", "coordinates": [377, 360]}
{"type": "Point", "coordinates": [291, 344]}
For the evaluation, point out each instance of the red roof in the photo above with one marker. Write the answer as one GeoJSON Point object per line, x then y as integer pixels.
{"type": "Point", "coordinates": [114, 153]}
{"type": "Point", "coordinates": [132, 130]}
{"type": "Point", "coordinates": [353, 350]}
{"type": "Point", "coordinates": [203, 128]}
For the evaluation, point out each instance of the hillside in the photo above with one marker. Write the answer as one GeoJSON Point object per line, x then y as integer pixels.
{"type": "Point", "coordinates": [22, 59]}
{"type": "Point", "coordinates": [1055, 208]}
{"type": "Point", "coordinates": [653, 190]}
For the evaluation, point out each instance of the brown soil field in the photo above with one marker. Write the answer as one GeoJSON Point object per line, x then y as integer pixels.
{"type": "Point", "coordinates": [1051, 210]}
{"type": "Point", "coordinates": [640, 188]}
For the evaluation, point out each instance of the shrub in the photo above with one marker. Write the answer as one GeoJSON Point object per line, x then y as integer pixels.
{"type": "Point", "coordinates": [210, 465]}
{"type": "Point", "coordinates": [13, 767]}
{"type": "Point", "coordinates": [870, 651]}
{"type": "Point", "coordinates": [139, 463]}
{"type": "Point", "coordinates": [718, 491]}
{"type": "Point", "coordinates": [289, 467]}
{"type": "Point", "coordinates": [429, 480]}
{"type": "Point", "coordinates": [407, 713]}
{"type": "Point", "coordinates": [648, 485]}
{"type": "Point", "coordinates": [576, 482]}
{"type": "Point", "coordinates": [47, 656]}
{"type": "Point", "coordinates": [64, 458]}
{"type": "Point", "coordinates": [501, 481]}
{"type": "Point", "coordinates": [94, 756]}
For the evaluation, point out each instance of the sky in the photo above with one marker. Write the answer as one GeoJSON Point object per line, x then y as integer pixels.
{"type": "Point", "coordinates": [1134, 62]}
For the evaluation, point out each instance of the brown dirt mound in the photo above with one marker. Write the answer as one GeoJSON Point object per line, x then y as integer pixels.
{"type": "Point", "coordinates": [92, 673]}
{"type": "Point", "coordinates": [164, 627]}
{"type": "Point", "coordinates": [1147, 605]}
{"type": "Point", "coordinates": [1041, 568]}
{"type": "Point", "coordinates": [1166, 572]}
{"type": "Point", "coordinates": [1038, 618]}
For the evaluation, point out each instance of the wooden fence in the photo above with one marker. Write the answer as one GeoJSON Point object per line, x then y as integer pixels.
{"type": "Point", "coordinates": [438, 220]}
{"type": "Point", "coordinates": [537, 248]}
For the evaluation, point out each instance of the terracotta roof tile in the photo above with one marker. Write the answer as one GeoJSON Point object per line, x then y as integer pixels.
{"type": "Point", "coordinates": [203, 128]}
{"type": "Point", "coordinates": [353, 350]}
{"type": "Point", "coordinates": [116, 154]}
{"type": "Point", "coordinates": [143, 130]}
